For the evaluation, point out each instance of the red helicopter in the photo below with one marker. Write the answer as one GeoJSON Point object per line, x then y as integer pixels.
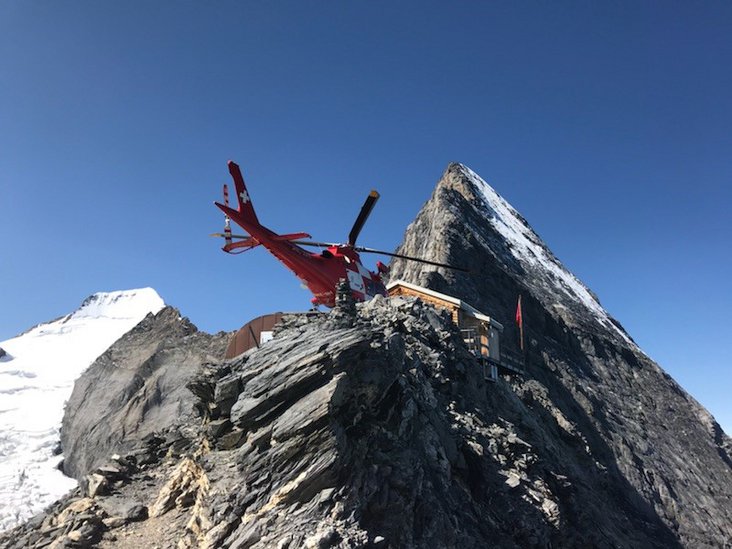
{"type": "Point", "coordinates": [320, 272]}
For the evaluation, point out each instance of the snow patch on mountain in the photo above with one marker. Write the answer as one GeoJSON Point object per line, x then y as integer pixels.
{"type": "Point", "coordinates": [37, 375]}
{"type": "Point", "coordinates": [528, 249]}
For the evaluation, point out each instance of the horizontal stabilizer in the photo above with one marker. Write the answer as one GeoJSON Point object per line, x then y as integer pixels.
{"type": "Point", "coordinates": [241, 246]}
{"type": "Point", "coordinates": [230, 212]}
{"type": "Point", "coordinates": [292, 236]}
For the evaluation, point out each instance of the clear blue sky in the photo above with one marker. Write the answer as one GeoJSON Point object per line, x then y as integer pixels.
{"type": "Point", "coordinates": [608, 125]}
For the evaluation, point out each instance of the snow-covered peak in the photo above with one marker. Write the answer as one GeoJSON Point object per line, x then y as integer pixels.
{"type": "Point", "coordinates": [506, 220]}
{"type": "Point", "coordinates": [526, 247]}
{"type": "Point", "coordinates": [37, 376]}
{"type": "Point", "coordinates": [116, 305]}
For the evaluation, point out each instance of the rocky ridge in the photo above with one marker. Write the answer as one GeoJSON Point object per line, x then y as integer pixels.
{"type": "Point", "coordinates": [373, 430]}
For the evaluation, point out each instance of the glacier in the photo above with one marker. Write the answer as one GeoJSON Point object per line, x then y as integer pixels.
{"type": "Point", "coordinates": [37, 375]}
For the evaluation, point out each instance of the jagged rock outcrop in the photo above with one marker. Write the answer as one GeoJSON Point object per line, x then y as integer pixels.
{"type": "Point", "coordinates": [379, 431]}
{"type": "Point", "coordinates": [585, 373]}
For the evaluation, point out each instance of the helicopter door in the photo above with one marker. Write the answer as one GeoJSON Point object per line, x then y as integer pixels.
{"type": "Point", "coordinates": [355, 281]}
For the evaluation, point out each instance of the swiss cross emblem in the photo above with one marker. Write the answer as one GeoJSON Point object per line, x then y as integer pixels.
{"type": "Point", "coordinates": [244, 196]}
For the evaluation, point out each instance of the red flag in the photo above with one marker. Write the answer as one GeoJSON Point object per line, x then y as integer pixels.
{"type": "Point", "coordinates": [520, 322]}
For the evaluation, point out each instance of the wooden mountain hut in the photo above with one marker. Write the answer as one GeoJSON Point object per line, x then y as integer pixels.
{"type": "Point", "coordinates": [481, 333]}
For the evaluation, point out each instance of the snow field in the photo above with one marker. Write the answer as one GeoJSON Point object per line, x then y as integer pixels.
{"type": "Point", "coordinates": [36, 379]}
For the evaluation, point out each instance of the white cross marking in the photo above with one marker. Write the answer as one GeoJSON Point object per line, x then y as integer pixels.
{"type": "Point", "coordinates": [244, 196]}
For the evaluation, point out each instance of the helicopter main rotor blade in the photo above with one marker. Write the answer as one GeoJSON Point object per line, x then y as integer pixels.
{"type": "Point", "coordinates": [363, 215]}
{"type": "Point", "coordinates": [400, 256]}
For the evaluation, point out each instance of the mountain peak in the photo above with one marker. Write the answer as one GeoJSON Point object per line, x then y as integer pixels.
{"type": "Point", "coordinates": [578, 358]}
{"type": "Point", "coordinates": [119, 304]}
{"type": "Point", "coordinates": [465, 214]}
{"type": "Point", "coordinates": [505, 218]}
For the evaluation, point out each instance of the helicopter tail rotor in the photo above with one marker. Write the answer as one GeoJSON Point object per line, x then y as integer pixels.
{"type": "Point", "coordinates": [227, 221]}
{"type": "Point", "coordinates": [244, 244]}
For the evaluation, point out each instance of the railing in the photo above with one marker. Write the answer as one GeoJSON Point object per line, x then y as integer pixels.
{"type": "Point", "coordinates": [509, 362]}
{"type": "Point", "coordinates": [513, 361]}
{"type": "Point", "coordinates": [472, 341]}
{"type": "Point", "coordinates": [474, 345]}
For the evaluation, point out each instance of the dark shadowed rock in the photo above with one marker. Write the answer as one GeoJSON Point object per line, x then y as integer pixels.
{"type": "Point", "coordinates": [588, 381]}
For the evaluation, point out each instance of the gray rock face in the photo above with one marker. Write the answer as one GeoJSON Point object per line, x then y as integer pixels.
{"type": "Point", "coordinates": [377, 432]}
{"type": "Point", "coordinates": [136, 388]}
{"type": "Point", "coordinates": [587, 379]}
{"type": "Point", "coordinates": [374, 427]}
